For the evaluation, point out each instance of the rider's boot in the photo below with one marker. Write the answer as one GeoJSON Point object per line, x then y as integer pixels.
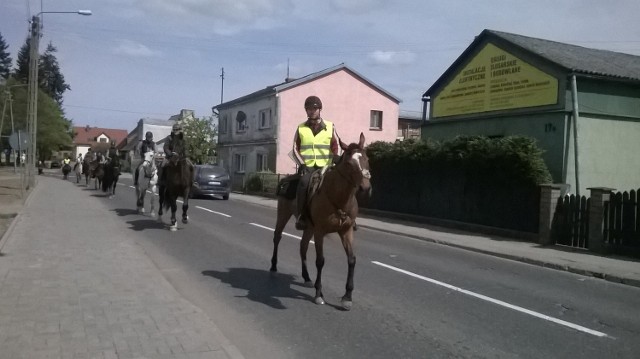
{"type": "Point", "coordinates": [135, 177]}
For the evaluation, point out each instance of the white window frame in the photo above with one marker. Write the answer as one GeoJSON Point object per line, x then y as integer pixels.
{"type": "Point", "coordinates": [240, 162]}
{"type": "Point", "coordinates": [264, 118]}
{"type": "Point", "coordinates": [375, 120]}
{"type": "Point", "coordinates": [262, 164]}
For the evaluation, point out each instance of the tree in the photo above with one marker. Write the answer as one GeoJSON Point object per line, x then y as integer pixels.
{"type": "Point", "coordinates": [5, 59]}
{"type": "Point", "coordinates": [50, 78]}
{"type": "Point", "coordinates": [54, 130]}
{"type": "Point", "coordinates": [201, 138]}
{"type": "Point", "coordinates": [22, 64]}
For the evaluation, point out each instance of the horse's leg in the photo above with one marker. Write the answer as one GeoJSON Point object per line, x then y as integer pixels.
{"type": "Point", "coordinates": [140, 199]}
{"type": "Point", "coordinates": [304, 247]}
{"type": "Point", "coordinates": [284, 213]}
{"type": "Point", "coordinates": [319, 240]}
{"type": "Point", "coordinates": [152, 199]}
{"type": "Point", "coordinates": [347, 243]}
{"type": "Point", "coordinates": [185, 206]}
{"type": "Point", "coordinates": [173, 200]}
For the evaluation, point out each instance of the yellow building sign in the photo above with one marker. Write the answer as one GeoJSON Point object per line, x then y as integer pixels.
{"type": "Point", "coordinates": [495, 80]}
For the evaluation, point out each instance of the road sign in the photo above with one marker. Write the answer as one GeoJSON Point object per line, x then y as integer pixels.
{"type": "Point", "coordinates": [19, 140]}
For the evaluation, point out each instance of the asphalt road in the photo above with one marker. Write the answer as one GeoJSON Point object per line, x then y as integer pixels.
{"type": "Point", "coordinates": [412, 299]}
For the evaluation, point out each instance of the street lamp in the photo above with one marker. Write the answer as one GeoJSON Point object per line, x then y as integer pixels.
{"type": "Point", "coordinates": [32, 104]}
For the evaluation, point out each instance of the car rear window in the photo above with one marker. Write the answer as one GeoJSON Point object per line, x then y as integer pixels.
{"type": "Point", "coordinates": [212, 171]}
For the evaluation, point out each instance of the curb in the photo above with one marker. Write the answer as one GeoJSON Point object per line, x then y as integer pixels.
{"type": "Point", "coordinates": [17, 217]}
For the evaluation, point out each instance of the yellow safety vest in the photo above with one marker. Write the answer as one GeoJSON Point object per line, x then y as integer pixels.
{"type": "Point", "coordinates": [316, 150]}
{"type": "Point", "coordinates": [66, 161]}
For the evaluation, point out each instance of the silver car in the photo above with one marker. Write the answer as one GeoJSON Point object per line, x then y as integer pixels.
{"type": "Point", "coordinates": [210, 181]}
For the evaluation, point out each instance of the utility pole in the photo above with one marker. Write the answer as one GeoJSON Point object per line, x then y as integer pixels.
{"type": "Point", "coordinates": [222, 89]}
{"type": "Point", "coordinates": [32, 107]}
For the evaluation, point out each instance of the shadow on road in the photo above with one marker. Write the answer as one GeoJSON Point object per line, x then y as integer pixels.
{"type": "Point", "coordinates": [148, 223]}
{"type": "Point", "coordinates": [262, 286]}
{"type": "Point", "coordinates": [125, 211]}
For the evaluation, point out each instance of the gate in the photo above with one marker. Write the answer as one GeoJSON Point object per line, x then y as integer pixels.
{"type": "Point", "coordinates": [571, 222]}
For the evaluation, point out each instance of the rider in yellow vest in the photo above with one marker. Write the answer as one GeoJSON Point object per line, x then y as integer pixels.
{"type": "Point", "coordinates": [315, 145]}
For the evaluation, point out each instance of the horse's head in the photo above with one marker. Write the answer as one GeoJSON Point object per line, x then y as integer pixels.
{"type": "Point", "coordinates": [355, 159]}
{"type": "Point", "coordinates": [149, 156]}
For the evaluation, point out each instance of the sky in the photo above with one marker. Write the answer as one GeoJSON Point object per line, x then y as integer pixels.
{"type": "Point", "coordinates": [134, 59]}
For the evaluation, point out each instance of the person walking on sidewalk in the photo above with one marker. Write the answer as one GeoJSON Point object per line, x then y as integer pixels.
{"type": "Point", "coordinates": [315, 145]}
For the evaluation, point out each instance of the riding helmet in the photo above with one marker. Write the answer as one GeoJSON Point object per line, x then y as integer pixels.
{"type": "Point", "coordinates": [312, 102]}
{"type": "Point", "coordinates": [148, 136]}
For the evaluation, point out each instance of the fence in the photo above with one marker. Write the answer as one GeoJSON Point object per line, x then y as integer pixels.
{"type": "Point", "coordinates": [605, 222]}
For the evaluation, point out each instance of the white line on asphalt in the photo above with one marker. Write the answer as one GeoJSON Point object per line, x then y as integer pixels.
{"type": "Point", "coordinates": [495, 301]}
{"type": "Point", "coordinates": [212, 211]}
{"type": "Point", "coordinates": [283, 233]}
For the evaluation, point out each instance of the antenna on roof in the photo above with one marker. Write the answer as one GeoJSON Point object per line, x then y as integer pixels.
{"type": "Point", "coordinates": [288, 79]}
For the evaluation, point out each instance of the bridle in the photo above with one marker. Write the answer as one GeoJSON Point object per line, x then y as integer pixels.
{"type": "Point", "coordinates": [365, 172]}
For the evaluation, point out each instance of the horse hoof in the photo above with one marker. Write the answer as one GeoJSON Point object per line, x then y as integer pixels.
{"type": "Point", "coordinates": [152, 215]}
{"type": "Point", "coordinates": [185, 220]}
{"type": "Point", "coordinates": [308, 284]}
{"type": "Point", "coordinates": [347, 304]}
{"type": "Point", "coordinates": [173, 228]}
{"type": "Point", "coordinates": [319, 301]}
{"type": "Point", "coordinates": [141, 210]}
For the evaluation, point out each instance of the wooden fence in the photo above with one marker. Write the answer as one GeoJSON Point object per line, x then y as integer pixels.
{"type": "Point", "coordinates": [613, 225]}
{"type": "Point", "coordinates": [622, 222]}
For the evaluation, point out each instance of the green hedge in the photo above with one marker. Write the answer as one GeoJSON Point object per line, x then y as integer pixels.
{"type": "Point", "coordinates": [472, 179]}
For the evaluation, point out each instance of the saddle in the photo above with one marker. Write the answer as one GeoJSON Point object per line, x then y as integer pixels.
{"type": "Point", "coordinates": [315, 181]}
{"type": "Point", "coordinates": [288, 186]}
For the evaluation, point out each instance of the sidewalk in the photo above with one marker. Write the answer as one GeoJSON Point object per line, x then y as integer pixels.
{"type": "Point", "coordinates": [67, 294]}
{"type": "Point", "coordinates": [614, 269]}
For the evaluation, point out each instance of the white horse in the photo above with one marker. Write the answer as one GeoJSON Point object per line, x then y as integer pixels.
{"type": "Point", "coordinates": [147, 179]}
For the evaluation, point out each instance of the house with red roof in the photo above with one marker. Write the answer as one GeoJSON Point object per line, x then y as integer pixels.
{"type": "Point", "coordinates": [97, 138]}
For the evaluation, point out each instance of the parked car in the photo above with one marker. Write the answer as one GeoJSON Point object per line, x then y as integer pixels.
{"type": "Point", "coordinates": [55, 164]}
{"type": "Point", "coordinates": [211, 180]}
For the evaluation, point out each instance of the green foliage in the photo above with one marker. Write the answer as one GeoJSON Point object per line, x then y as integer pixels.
{"type": "Point", "coordinates": [54, 130]}
{"type": "Point", "coordinates": [254, 183]}
{"type": "Point", "coordinates": [200, 135]}
{"type": "Point", "coordinates": [50, 79]}
{"type": "Point", "coordinates": [5, 59]}
{"type": "Point", "coordinates": [509, 159]}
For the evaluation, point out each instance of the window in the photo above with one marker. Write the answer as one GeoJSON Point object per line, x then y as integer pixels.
{"type": "Point", "coordinates": [264, 118]}
{"type": "Point", "coordinates": [222, 126]}
{"type": "Point", "coordinates": [103, 140]}
{"type": "Point", "coordinates": [241, 122]}
{"type": "Point", "coordinates": [375, 122]}
{"type": "Point", "coordinates": [261, 162]}
{"type": "Point", "coordinates": [239, 162]}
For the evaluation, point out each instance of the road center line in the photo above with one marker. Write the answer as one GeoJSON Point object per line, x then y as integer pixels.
{"type": "Point", "coordinates": [495, 301]}
{"type": "Point", "coordinates": [212, 211]}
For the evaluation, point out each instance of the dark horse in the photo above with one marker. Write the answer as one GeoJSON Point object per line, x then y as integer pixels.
{"type": "Point", "coordinates": [66, 169]}
{"type": "Point", "coordinates": [111, 176]}
{"type": "Point", "coordinates": [178, 177]}
{"type": "Point", "coordinates": [332, 209]}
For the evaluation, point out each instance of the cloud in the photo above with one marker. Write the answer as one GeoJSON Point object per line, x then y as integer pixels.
{"type": "Point", "coordinates": [357, 6]}
{"type": "Point", "coordinates": [134, 49]}
{"type": "Point", "coordinates": [392, 57]}
{"type": "Point", "coordinates": [223, 17]}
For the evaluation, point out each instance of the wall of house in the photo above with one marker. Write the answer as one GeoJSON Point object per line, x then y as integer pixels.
{"type": "Point", "coordinates": [347, 102]}
{"type": "Point", "coordinates": [249, 138]}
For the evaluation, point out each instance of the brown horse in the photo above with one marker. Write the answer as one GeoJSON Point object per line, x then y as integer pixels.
{"type": "Point", "coordinates": [333, 209]}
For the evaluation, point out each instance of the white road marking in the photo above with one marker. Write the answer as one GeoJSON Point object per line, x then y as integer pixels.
{"type": "Point", "coordinates": [212, 211]}
{"type": "Point", "coordinates": [283, 233]}
{"type": "Point", "coordinates": [495, 301]}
